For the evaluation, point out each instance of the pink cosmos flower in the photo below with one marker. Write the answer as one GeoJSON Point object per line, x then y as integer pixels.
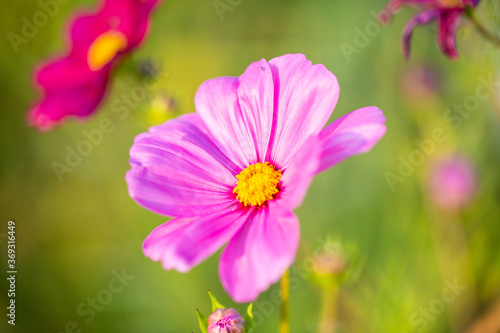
{"type": "Point", "coordinates": [448, 13]}
{"type": "Point", "coordinates": [452, 183]}
{"type": "Point", "coordinates": [236, 169]}
{"type": "Point", "coordinates": [74, 84]}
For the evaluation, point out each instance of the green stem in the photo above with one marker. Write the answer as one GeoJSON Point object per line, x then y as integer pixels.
{"type": "Point", "coordinates": [328, 310]}
{"type": "Point", "coordinates": [488, 35]}
{"type": "Point", "coordinates": [285, 305]}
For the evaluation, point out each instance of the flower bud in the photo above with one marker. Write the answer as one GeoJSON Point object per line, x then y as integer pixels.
{"type": "Point", "coordinates": [329, 263]}
{"type": "Point", "coordinates": [332, 264]}
{"type": "Point", "coordinates": [161, 109]}
{"type": "Point", "coordinates": [226, 321]}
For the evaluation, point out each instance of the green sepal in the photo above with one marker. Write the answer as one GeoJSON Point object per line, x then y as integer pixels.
{"type": "Point", "coordinates": [202, 321]}
{"type": "Point", "coordinates": [215, 303]}
{"type": "Point", "coordinates": [249, 322]}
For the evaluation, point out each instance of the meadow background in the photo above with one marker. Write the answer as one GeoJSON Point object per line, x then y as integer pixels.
{"type": "Point", "coordinates": [73, 234]}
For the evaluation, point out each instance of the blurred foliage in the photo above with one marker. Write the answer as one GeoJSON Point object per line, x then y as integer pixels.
{"type": "Point", "coordinates": [73, 234]}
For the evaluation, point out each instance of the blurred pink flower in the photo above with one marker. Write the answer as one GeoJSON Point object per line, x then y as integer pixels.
{"type": "Point", "coordinates": [226, 321]}
{"type": "Point", "coordinates": [74, 84]}
{"type": "Point", "coordinates": [448, 13]}
{"type": "Point", "coordinates": [421, 84]}
{"type": "Point", "coordinates": [236, 169]}
{"type": "Point", "coordinates": [452, 183]}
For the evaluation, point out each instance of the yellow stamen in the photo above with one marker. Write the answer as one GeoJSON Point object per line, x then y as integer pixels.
{"type": "Point", "coordinates": [257, 184]}
{"type": "Point", "coordinates": [104, 49]}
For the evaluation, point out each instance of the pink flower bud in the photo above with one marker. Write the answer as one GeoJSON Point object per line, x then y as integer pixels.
{"type": "Point", "coordinates": [329, 263]}
{"type": "Point", "coordinates": [226, 321]}
{"type": "Point", "coordinates": [452, 183]}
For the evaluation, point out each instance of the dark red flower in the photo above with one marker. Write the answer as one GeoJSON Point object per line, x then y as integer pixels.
{"type": "Point", "coordinates": [448, 14]}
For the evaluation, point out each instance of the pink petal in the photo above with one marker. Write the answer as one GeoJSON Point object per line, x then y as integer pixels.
{"type": "Point", "coordinates": [299, 173]}
{"type": "Point", "coordinates": [85, 29]}
{"type": "Point", "coordinates": [130, 17]}
{"type": "Point", "coordinates": [449, 21]}
{"type": "Point", "coordinates": [259, 253]}
{"type": "Point", "coordinates": [304, 98]}
{"type": "Point", "coordinates": [191, 118]}
{"type": "Point", "coordinates": [421, 18]}
{"type": "Point", "coordinates": [178, 171]}
{"type": "Point", "coordinates": [255, 96]}
{"type": "Point", "coordinates": [356, 132]}
{"type": "Point", "coordinates": [217, 103]}
{"type": "Point", "coordinates": [183, 243]}
{"type": "Point", "coordinates": [135, 18]}
{"type": "Point", "coordinates": [63, 73]}
{"type": "Point", "coordinates": [67, 98]}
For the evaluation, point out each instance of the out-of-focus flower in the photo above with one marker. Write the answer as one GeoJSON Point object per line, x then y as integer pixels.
{"type": "Point", "coordinates": [235, 170]}
{"type": "Point", "coordinates": [420, 84]}
{"type": "Point", "coordinates": [447, 13]}
{"type": "Point", "coordinates": [336, 263]}
{"type": "Point", "coordinates": [329, 263]}
{"type": "Point", "coordinates": [74, 84]}
{"type": "Point", "coordinates": [452, 183]}
{"type": "Point", "coordinates": [333, 264]}
{"type": "Point", "coordinates": [225, 320]}
{"type": "Point", "coordinates": [160, 110]}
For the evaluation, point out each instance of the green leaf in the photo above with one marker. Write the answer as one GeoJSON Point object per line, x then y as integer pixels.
{"type": "Point", "coordinates": [215, 303]}
{"type": "Point", "coordinates": [249, 322]}
{"type": "Point", "coordinates": [202, 321]}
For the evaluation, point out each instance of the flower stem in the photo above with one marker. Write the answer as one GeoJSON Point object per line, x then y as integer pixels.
{"type": "Point", "coordinates": [488, 35]}
{"type": "Point", "coordinates": [285, 306]}
{"type": "Point", "coordinates": [328, 310]}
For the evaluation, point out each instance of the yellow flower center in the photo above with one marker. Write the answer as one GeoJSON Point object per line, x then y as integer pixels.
{"type": "Point", "coordinates": [452, 3]}
{"type": "Point", "coordinates": [104, 49]}
{"type": "Point", "coordinates": [257, 184]}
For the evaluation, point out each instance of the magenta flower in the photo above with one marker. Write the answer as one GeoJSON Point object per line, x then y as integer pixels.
{"type": "Point", "coordinates": [452, 183]}
{"type": "Point", "coordinates": [74, 84]}
{"type": "Point", "coordinates": [448, 13]}
{"type": "Point", "coordinates": [236, 169]}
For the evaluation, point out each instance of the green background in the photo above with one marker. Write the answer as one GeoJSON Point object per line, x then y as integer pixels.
{"type": "Point", "coordinates": [72, 235]}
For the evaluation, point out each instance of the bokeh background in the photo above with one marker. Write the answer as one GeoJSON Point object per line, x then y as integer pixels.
{"type": "Point", "coordinates": [73, 234]}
